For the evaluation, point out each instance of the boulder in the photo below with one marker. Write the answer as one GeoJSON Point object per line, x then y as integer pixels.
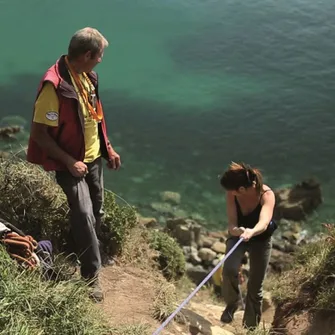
{"type": "Point", "coordinates": [297, 202]}
{"type": "Point", "coordinates": [197, 324]}
{"type": "Point", "coordinates": [196, 273]}
{"type": "Point", "coordinates": [183, 235]}
{"type": "Point", "coordinates": [186, 231]}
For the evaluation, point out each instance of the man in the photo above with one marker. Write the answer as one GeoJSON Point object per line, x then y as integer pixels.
{"type": "Point", "coordinates": [68, 135]}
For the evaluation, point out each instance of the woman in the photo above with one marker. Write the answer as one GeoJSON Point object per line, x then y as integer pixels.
{"type": "Point", "coordinates": [250, 206]}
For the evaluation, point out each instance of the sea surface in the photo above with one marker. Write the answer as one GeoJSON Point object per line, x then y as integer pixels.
{"type": "Point", "coordinates": [189, 86]}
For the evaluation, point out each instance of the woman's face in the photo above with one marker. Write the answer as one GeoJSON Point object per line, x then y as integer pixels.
{"type": "Point", "coordinates": [244, 191]}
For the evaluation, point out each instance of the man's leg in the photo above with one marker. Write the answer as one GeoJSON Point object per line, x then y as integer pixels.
{"type": "Point", "coordinates": [95, 184]}
{"type": "Point", "coordinates": [82, 222]}
{"type": "Point", "coordinates": [259, 256]}
{"type": "Point", "coordinates": [230, 289]}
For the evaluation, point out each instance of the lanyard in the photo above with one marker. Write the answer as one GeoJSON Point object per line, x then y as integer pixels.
{"type": "Point", "coordinates": [96, 113]}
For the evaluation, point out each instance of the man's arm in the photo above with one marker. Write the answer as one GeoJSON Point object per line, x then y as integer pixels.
{"type": "Point", "coordinates": [114, 158]}
{"type": "Point", "coordinates": [39, 133]}
{"type": "Point", "coordinates": [46, 114]}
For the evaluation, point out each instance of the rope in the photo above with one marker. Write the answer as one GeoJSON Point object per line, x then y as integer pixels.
{"type": "Point", "coordinates": [116, 195]}
{"type": "Point", "coordinates": [164, 324]}
{"type": "Point", "coordinates": [21, 248]}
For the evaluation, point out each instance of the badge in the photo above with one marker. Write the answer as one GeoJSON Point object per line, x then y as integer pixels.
{"type": "Point", "coordinates": [52, 116]}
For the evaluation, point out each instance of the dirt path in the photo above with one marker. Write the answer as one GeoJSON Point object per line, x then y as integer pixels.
{"type": "Point", "coordinates": [129, 297]}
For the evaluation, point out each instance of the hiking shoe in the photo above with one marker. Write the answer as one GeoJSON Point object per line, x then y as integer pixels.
{"type": "Point", "coordinates": [228, 314]}
{"type": "Point", "coordinates": [96, 293]}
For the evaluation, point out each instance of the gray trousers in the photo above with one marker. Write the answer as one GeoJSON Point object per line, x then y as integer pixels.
{"type": "Point", "coordinates": [259, 257]}
{"type": "Point", "coordinates": [85, 198]}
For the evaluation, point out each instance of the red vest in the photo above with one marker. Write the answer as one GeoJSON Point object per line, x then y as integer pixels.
{"type": "Point", "coordinates": [69, 135]}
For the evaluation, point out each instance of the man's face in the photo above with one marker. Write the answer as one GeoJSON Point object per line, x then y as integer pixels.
{"type": "Point", "coordinates": [89, 62]}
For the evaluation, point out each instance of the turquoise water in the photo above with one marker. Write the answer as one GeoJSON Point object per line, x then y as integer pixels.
{"type": "Point", "coordinates": [189, 86]}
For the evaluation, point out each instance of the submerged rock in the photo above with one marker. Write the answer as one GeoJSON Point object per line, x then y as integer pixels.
{"type": "Point", "coordinates": [171, 197]}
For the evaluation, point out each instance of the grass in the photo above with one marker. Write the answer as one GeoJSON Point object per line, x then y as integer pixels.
{"type": "Point", "coordinates": [136, 250]}
{"type": "Point", "coordinates": [30, 305]}
{"type": "Point", "coordinates": [310, 285]}
{"type": "Point", "coordinates": [166, 300]}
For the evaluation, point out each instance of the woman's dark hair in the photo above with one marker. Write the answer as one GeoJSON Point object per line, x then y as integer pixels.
{"type": "Point", "coordinates": [241, 175]}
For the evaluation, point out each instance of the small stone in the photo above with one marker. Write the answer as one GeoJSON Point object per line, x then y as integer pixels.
{"type": "Point", "coordinates": [219, 247]}
{"type": "Point", "coordinates": [207, 254]}
{"type": "Point", "coordinates": [188, 250]}
{"type": "Point", "coordinates": [218, 235]}
{"type": "Point", "coordinates": [207, 242]}
{"type": "Point", "coordinates": [195, 259]}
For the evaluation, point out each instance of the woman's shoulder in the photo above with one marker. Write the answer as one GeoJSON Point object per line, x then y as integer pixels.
{"type": "Point", "coordinates": [267, 193]}
{"type": "Point", "coordinates": [266, 188]}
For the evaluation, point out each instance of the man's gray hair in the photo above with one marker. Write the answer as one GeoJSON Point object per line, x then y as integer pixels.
{"type": "Point", "coordinates": [84, 40]}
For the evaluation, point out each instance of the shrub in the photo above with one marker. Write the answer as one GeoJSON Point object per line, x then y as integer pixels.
{"type": "Point", "coordinates": [171, 259]}
{"type": "Point", "coordinates": [32, 201]}
{"type": "Point", "coordinates": [117, 224]}
{"type": "Point", "coordinates": [313, 274]}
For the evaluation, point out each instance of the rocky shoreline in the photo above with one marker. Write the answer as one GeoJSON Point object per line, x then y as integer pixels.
{"type": "Point", "coordinates": [203, 249]}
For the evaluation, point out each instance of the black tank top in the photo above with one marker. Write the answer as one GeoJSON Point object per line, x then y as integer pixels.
{"type": "Point", "coordinates": [250, 220]}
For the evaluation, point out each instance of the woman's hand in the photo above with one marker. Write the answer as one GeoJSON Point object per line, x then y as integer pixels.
{"type": "Point", "coordinates": [237, 231]}
{"type": "Point", "coordinates": [247, 234]}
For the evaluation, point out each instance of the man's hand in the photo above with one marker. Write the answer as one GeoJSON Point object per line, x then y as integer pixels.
{"type": "Point", "coordinates": [77, 169]}
{"type": "Point", "coordinates": [114, 160]}
{"type": "Point", "coordinates": [248, 234]}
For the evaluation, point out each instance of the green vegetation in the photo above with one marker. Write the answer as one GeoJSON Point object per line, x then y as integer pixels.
{"type": "Point", "coordinates": [310, 285]}
{"type": "Point", "coordinates": [170, 256]}
{"type": "Point", "coordinates": [30, 305]}
{"type": "Point", "coordinates": [165, 301]}
{"type": "Point", "coordinates": [32, 201]}
{"type": "Point", "coordinates": [117, 226]}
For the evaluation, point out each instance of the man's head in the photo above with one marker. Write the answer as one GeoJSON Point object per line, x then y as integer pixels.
{"type": "Point", "coordinates": [86, 48]}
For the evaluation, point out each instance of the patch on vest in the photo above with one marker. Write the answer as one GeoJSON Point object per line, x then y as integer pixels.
{"type": "Point", "coordinates": [52, 116]}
